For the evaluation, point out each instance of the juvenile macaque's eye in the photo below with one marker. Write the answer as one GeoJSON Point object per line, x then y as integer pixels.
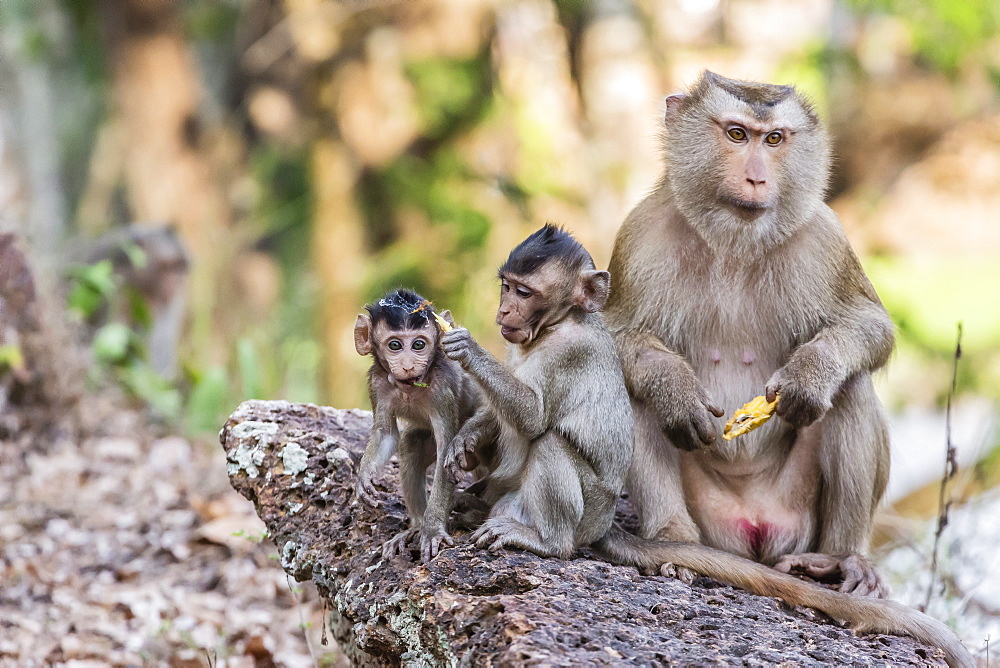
{"type": "Point", "coordinates": [395, 344]}
{"type": "Point", "coordinates": [419, 344]}
{"type": "Point", "coordinates": [521, 292]}
{"type": "Point", "coordinates": [737, 133]}
{"type": "Point", "coordinates": [504, 286]}
{"type": "Point", "coordinates": [774, 138]}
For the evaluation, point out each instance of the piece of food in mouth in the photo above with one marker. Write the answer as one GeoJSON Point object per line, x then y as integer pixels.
{"type": "Point", "coordinates": [755, 413]}
{"type": "Point", "coordinates": [445, 326]}
{"type": "Point", "coordinates": [417, 384]}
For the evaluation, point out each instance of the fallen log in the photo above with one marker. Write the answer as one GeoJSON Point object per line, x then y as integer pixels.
{"type": "Point", "coordinates": [297, 464]}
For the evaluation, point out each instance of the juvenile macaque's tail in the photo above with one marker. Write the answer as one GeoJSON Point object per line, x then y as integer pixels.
{"type": "Point", "coordinates": [862, 614]}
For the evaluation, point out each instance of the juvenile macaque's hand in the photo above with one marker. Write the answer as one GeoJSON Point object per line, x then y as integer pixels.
{"type": "Point", "coordinates": [805, 387]}
{"type": "Point", "coordinates": [681, 403]}
{"type": "Point", "coordinates": [461, 455]}
{"type": "Point", "coordinates": [459, 345]}
{"type": "Point", "coordinates": [365, 488]}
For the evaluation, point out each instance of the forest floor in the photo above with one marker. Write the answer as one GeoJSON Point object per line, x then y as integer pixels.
{"type": "Point", "coordinates": [128, 546]}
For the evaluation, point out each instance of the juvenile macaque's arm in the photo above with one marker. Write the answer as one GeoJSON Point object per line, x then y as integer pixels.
{"type": "Point", "coordinates": [382, 443]}
{"type": "Point", "coordinates": [462, 455]}
{"type": "Point", "coordinates": [512, 399]}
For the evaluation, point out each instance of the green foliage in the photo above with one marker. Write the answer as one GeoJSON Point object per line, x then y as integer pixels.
{"type": "Point", "coordinates": [947, 33]}
{"type": "Point", "coordinates": [11, 357]}
{"type": "Point", "coordinates": [451, 94]}
{"type": "Point", "coordinates": [91, 287]}
{"type": "Point", "coordinates": [209, 400]}
{"type": "Point", "coordinates": [926, 308]}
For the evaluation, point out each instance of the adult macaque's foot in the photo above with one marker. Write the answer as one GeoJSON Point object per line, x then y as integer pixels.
{"type": "Point", "coordinates": [685, 575]}
{"type": "Point", "coordinates": [848, 573]}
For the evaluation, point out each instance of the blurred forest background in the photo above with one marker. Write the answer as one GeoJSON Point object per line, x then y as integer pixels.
{"type": "Point", "coordinates": [216, 187]}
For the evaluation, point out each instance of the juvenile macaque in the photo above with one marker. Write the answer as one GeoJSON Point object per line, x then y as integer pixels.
{"type": "Point", "coordinates": [559, 404]}
{"type": "Point", "coordinates": [733, 279]}
{"type": "Point", "coordinates": [412, 383]}
{"type": "Point", "coordinates": [562, 412]}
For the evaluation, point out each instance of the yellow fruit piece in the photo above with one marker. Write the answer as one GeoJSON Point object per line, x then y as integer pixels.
{"type": "Point", "coordinates": [752, 415]}
{"type": "Point", "coordinates": [445, 327]}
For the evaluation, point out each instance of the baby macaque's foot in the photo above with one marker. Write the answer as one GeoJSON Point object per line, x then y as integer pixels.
{"type": "Point", "coordinates": [432, 539]}
{"type": "Point", "coordinates": [397, 545]}
{"type": "Point", "coordinates": [848, 573]}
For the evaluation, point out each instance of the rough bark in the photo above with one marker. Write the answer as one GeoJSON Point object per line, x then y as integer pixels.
{"type": "Point", "coordinates": [297, 462]}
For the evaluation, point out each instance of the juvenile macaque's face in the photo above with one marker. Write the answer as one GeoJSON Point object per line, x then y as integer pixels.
{"type": "Point", "coordinates": [522, 305]}
{"type": "Point", "coordinates": [406, 352]}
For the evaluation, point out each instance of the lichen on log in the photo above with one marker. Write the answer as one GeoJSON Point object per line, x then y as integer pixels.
{"type": "Point", "coordinates": [297, 464]}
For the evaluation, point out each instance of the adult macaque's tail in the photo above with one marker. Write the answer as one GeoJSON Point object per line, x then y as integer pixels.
{"type": "Point", "coordinates": [862, 614]}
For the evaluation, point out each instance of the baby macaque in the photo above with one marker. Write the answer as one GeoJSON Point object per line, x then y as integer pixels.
{"type": "Point", "coordinates": [420, 399]}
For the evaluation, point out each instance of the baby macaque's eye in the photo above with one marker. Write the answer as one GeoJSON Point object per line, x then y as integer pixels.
{"type": "Point", "coordinates": [521, 292]}
{"type": "Point", "coordinates": [419, 344]}
{"type": "Point", "coordinates": [395, 344]}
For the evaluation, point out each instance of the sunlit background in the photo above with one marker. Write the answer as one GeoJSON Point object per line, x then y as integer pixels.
{"type": "Point", "coordinates": [310, 154]}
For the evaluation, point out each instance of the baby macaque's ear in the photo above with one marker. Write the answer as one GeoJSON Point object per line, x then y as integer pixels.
{"type": "Point", "coordinates": [363, 334]}
{"type": "Point", "coordinates": [446, 315]}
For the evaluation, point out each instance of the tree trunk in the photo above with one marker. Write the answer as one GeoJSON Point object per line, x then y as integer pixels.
{"type": "Point", "coordinates": [297, 463]}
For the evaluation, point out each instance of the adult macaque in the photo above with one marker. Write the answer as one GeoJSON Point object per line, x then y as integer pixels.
{"type": "Point", "coordinates": [410, 381]}
{"type": "Point", "coordinates": [562, 412]}
{"type": "Point", "coordinates": [734, 279]}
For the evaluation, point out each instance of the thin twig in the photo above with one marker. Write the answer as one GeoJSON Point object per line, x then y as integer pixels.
{"type": "Point", "coordinates": [302, 621]}
{"type": "Point", "coordinates": [950, 469]}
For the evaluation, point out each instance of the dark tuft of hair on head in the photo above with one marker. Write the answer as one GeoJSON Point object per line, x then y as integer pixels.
{"type": "Point", "coordinates": [549, 244]}
{"type": "Point", "coordinates": [400, 309]}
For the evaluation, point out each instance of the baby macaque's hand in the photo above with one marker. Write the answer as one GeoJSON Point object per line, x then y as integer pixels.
{"type": "Point", "coordinates": [365, 488]}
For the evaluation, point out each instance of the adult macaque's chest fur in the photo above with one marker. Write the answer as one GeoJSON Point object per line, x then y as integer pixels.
{"type": "Point", "coordinates": [735, 319]}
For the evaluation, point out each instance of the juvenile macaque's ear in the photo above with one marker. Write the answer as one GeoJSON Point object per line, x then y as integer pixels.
{"type": "Point", "coordinates": [446, 314]}
{"type": "Point", "coordinates": [592, 291]}
{"type": "Point", "coordinates": [363, 334]}
{"type": "Point", "coordinates": [673, 105]}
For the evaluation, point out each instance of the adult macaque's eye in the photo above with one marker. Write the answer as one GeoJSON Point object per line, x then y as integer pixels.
{"type": "Point", "coordinates": [419, 344]}
{"type": "Point", "coordinates": [737, 133]}
{"type": "Point", "coordinates": [774, 138]}
{"type": "Point", "coordinates": [395, 344]}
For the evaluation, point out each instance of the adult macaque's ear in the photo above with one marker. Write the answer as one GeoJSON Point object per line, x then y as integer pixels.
{"type": "Point", "coordinates": [363, 334]}
{"type": "Point", "coordinates": [592, 291]}
{"type": "Point", "coordinates": [673, 106]}
{"type": "Point", "coordinates": [446, 314]}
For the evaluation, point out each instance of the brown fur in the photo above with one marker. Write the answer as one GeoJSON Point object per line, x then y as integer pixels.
{"type": "Point", "coordinates": [419, 421]}
{"type": "Point", "coordinates": [734, 279]}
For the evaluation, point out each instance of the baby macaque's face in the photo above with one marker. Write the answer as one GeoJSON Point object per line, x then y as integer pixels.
{"type": "Point", "coordinates": [406, 352]}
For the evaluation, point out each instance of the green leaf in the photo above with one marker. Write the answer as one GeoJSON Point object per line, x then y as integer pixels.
{"type": "Point", "coordinates": [209, 400]}
{"type": "Point", "coordinates": [112, 343]}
